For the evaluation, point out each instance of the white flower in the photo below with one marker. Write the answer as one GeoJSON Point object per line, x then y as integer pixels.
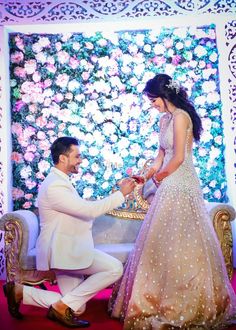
{"type": "Point", "coordinates": [118, 176]}
{"type": "Point", "coordinates": [206, 137]}
{"type": "Point", "coordinates": [93, 151]}
{"type": "Point", "coordinates": [107, 175]}
{"type": "Point", "coordinates": [105, 185]}
{"type": "Point", "coordinates": [202, 64]}
{"type": "Point", "coordinates": [87, 192]}
{"type": "Point", "coordinates": [188, 42]}
{"type": "Point", "coordinates": [212, 183]}
{"type": "Point", "coordinates": [181, 32]}
{"type": "Point", "coordinates": [209, 86]}
{"type": "Point", "coordinates": [95, 167]}
{"type": "Point", "coordinates": [213, 97]}
{"type": "Point", "coordinates": [213, 57]}
{"type": "Point", "coordinates": [179, 45]}
{"type": "Point", "coordinates": [25, 173]}
{"type": "Point", "coordinates": [44, 41]}
{"type": "Point", "coordinates": [124, 153]}
{"type": "Point", "coordinates": [43, 166]}
{"type": "Point", "coordinates": [170, 52]}
{"type": "Point", "coordinates": [207, 72]}
{"type": "Point", "coordinates": [200, 51]}
{"type": "Point", "coordinates": [113, 138]}
{"type": "Point", "coordinates": [147, 48]}
{"type": "Point", "coordinates": [218, 139]}
{"type": "Point", "coordinates": [205, 190]}
{"type": "Point", "coordinates": [217, 194]}
{"type": "Point", "coordinates": [159, 49]}
{"type": "Point", "coordinates": [215, 152]}
{"type": "Point", "coordinates": [170, 69]}
{"type": "Point", "coordinates": [76, 45]}
{"type": "Point", "coordinates": [200, 100]}
{"type": "Point", "coordinates": [85, 162]}
{"type": "Point", "coordinates": [73, 107]}
{"type": "Point", "coordinates": [139, 39]}
{"type": "Point", "coordinates": [73, 84]}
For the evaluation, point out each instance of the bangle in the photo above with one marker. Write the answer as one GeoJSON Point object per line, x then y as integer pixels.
{"type": "Point", "coordinates": [156, 181]}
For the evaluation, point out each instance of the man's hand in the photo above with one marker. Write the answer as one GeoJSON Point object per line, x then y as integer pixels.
{"type": "Point", "coordinates": [126, 186]}
{"type": "Point", "coordinates": [139, 179]}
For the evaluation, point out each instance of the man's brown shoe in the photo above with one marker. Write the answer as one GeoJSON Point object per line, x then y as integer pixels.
{"type": "Point", "coordinates": [69, 319]}
{"type": "Point", "coordinates": [13, 305]}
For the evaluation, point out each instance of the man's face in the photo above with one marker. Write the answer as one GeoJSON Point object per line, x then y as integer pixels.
{"type": "Point", "coordinates": [73, 160]}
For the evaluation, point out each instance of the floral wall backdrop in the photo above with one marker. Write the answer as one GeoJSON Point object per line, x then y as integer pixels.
{"type": "Point", "coordinates": [89, 85]}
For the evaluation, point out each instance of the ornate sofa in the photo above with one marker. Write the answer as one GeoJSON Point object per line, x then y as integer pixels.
{"type": "Point", "coordinates": [114, 233]}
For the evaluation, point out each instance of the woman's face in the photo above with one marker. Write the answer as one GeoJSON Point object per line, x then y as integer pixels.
{"type": "Point", "coordinates": [158, 104]}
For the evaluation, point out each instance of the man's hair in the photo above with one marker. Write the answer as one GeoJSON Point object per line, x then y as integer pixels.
{"type": "Point", "coordinates": [61, 146]}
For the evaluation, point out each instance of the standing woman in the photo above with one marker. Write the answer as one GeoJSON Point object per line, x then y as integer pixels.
{"type": "Point", "coordinates": [176, 276]}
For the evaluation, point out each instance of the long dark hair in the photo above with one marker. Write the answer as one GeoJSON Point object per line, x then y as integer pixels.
{"type": "Point", "coordinates": [164, 87]}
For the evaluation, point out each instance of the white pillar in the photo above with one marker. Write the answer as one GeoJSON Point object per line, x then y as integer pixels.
{"type": "Point", "coordinates": [5, 137]}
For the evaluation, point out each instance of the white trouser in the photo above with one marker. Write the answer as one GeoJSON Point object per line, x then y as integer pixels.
{"type": "Point", "coordinates": [74, 290]}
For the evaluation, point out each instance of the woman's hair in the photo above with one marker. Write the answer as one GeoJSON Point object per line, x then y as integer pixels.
{"type": "Point", "coordinates": [61, 146]}
{"type": "Point", "coordinates": [165, 87]}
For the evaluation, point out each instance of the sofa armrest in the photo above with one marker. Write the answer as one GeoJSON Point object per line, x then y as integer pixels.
{"type": "Point", "coordinates": [221, 215]}
{"type": "Point", "coordinates": [227, 211]}
{"type": "Point", "coordinates": [21, 231]}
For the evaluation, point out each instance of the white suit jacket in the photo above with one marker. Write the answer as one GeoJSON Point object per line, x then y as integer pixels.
{"type": "Point", "coordinates": [65, 240]}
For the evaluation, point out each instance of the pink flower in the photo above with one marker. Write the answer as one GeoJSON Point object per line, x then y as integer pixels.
{"type": "Point", "coordinates": [47, 102]}
{"type": "Point", "coordinates": [69, 96]}
{"type": "Point", "coordinates": [73, 62]}
{"type": "Point", "coordinates": [29, 131]}
{"type": "Point", "coordinates": [129, 171]}
{"type": "Point", "coordinates": [176, 59]}
{"type": "Point", "coordinates": [18, 105]}
{"type": "Point", "coordinates": [30, 66]}
{"type": "Point", "coordinates": [16, 128]}
{"type": "Point", "coordinates": [41, 121]}
{"type": "Point", "coordinates": [85, 75]}
{"type": "Point", "coordinates": [44, 145]}
{"type": "Point", "coordinates": [47, 83]}
{"type": "Point", "coordinates": [43, 165]}
{"type": "Point", "coordinates": [19, 72]}
{"type": "Point", "coordinates": [16, 157]}
{"type": "Point", "coordinates": [17, 193]}
{"type": "Point", "coordinates": [31, 147]}
{"type": "Point", "coordinates": [50, 124]}
{"type": "Point", "coordinates": [19, 42]}
{"type": "Point", "coordinates": [30, 184]}
{"type": "Point", "coordinates": [27, 205]}
{"type": "Point", "coordinates": [33, 108]}
{"type": "Point", "coordinates": [168, 43]}
{"type": "Point", "coordinates": [217, 194]}
{"type": "Point", "coordinates": [61, 127]}
{"type": "Point", "coordinates": [17, 57]}
{"type": "Point", "coordinates": [63, 57]}
{"type": "Point", "coordinates": [36, 76]}
{"type": "Point", "coordinates": [44, 42]}
{"type": "Point", "coordinates": [58, 46]}
{"type": "Point", "coordinates": [28, 196]}
{"type": "Point", "coordinates": [58, 98]}
{"type": "Point", "coordinates": [29, 156]}
{"type": "Point", "coordinates": [62, 80]}
{"type": "Point", "coordinates": [89, 45]}
{"type": "Point", "coordinates": [51, 68]}
{"type": "Point", "coordinates": [26, 87]}
{"type": "Point", "coordinates": [159, 60]}
{"type": "Point", "coordinates": [41, 135]}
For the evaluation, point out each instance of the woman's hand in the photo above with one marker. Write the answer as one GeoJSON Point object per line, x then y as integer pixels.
{"type": "Point", "coordinates": [139, 179]}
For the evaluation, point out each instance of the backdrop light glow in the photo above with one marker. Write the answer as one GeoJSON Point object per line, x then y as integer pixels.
{"type": "Point", "coordinates": [89, 85]}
